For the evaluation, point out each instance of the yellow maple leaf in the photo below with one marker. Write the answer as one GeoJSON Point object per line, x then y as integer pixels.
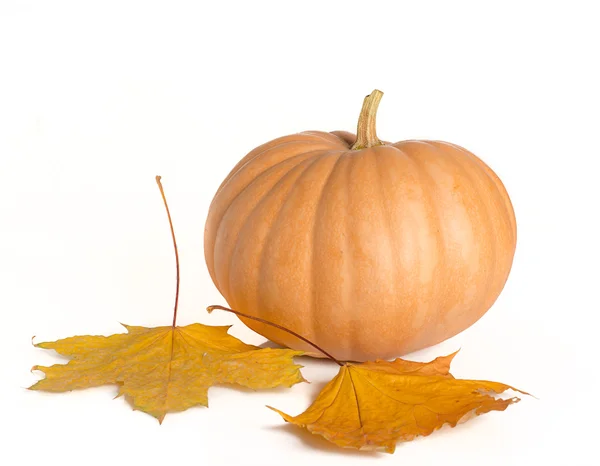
{"type": "Point", "coordinates": [373, 405]}
{"type": "Point", "coordinates": [166, 369]}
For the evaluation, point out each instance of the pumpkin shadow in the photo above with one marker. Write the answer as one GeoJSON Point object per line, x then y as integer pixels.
{"type": "Point", "coordinates": [270, 344]}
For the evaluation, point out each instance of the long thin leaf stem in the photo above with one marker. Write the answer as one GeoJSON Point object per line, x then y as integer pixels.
{"type": "Point", "coordinates": [162, 193]}
{"type": "Point", "coordinates": [272, 324]}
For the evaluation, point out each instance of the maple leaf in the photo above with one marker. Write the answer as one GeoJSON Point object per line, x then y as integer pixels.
{"type": "Point", "coordinates": [167, 369]}
{"type": "Point", "coordinates": [373, 405]}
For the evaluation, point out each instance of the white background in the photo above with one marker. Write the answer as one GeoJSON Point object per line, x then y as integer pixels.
{"type": "Point", "coordinates": [96, 98]}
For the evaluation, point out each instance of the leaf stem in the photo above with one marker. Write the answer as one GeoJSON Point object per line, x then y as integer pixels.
{"type": "Point", "coordinates": [162, 193]}
{"type": "Point", "coordinates": [272, 324]}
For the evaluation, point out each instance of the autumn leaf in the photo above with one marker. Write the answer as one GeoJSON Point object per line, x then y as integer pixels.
{"type": "Point", "coordinates": [166, 369]}
{"type": "Point", "coordinates": [373, 405]}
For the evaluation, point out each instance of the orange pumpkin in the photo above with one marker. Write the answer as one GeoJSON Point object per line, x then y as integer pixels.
{"type": "Point", "coordinates": [367, 248]}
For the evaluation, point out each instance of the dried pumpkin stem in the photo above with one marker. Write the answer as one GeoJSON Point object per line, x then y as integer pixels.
{"type": "Point", "coordinates": [272, 324]}
{"type": "Point", "coordinates": [366, 134]}
{"type": "Point", "coordinates": [162, 193]}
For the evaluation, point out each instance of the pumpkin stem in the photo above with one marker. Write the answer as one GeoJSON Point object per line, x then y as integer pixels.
{"type": "Point", "coordinates": [366, 136]}
{"type": "Point", "coordinates": [291, 332]}
{"type": "Point", "coordinates": [162, 193]}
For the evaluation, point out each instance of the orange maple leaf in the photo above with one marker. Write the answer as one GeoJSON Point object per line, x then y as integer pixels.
{"type": "Point", "coordinates": [371, 406]}
{"type": "Point", "coordinates": [167, 369]}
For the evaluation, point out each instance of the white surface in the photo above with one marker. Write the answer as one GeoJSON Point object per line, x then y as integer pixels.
{"type": "Point", "coordinates": [95, 100]}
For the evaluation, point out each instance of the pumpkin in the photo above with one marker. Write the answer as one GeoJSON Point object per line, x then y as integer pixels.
{"type": "Point", "coordinates": [367, 248]}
